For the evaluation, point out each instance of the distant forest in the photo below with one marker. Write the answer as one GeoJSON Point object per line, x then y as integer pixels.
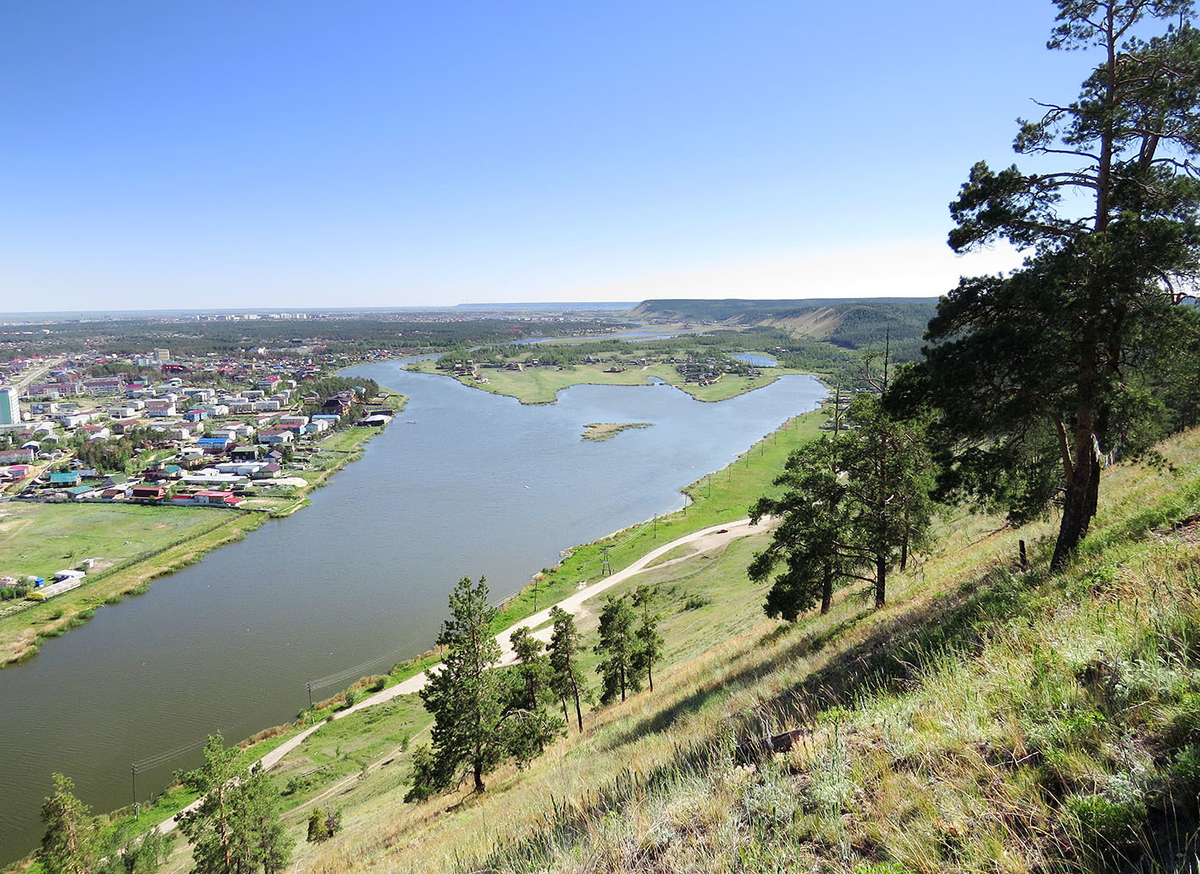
{"type": "Point", "coordinates": [350, 335]}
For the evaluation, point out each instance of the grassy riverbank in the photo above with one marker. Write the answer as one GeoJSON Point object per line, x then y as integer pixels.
{"type": "Point", "coordinates": [133, 544]}
{"type": "Point", "coordinates": [541, 385]}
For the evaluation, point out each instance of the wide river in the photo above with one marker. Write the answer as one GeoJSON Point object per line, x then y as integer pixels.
{"type": "Point", "coordinates": [462, 483]}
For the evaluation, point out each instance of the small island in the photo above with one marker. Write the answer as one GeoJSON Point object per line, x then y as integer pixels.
{"type": "Point", "coordinates": [597, 431]}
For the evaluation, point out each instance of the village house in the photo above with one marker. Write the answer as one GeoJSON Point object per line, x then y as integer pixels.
{"type": "Point", "coordinates": [275, 436]}
{"type": "Point", "coordinates": [16, 456]}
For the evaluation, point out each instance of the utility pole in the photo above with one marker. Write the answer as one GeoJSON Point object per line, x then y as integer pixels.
{"type": "Point", "coordinates": [606, 569]}
{"type": "Point", "coordinates": [133, 774]}
{"type": "Point", "coordinates": [308, 688]}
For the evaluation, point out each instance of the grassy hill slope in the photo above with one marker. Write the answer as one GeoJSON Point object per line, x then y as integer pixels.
{"type": "Point", "coordinates": [988, 719]}
{"type": "Point", "coordinates": [850, 324]}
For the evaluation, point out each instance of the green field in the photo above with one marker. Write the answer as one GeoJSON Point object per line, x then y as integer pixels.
{"type": "Point", "coordinates": [541, 385]}
{"type": "Point", "coordinates": [39, 539]}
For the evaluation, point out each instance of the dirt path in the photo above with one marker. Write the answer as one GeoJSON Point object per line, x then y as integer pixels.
{"type": "Point", "coordinates": [706, 540]}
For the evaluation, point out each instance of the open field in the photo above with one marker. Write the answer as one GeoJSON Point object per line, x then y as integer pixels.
{"type": "Point", "coordinates": [541, 385]}
{"type": "Point", "coordinates": [40, 539]}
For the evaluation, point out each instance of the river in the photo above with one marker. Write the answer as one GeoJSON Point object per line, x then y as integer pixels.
{"type": "Point", "coordinates": [462, 483]}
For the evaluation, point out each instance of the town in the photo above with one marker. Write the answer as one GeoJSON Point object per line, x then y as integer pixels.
{"type": "Point", "coordinates": [153, 429]}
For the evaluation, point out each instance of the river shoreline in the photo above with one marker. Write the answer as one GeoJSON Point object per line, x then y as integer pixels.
{"type": "Point", "coordinates": [134, 576]}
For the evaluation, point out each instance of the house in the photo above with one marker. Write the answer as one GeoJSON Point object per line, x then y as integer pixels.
{"type": "Point", "coordinates": [215, 498]}
{"type": "Point", "coordinates": [148, 493]}
{"type": "Point", "coordinates": [245, 453]}
{"type": "Point", "coordinates": [17, 456]}
{"type": "Point", "coordinates": [214, 445]}
{"type": "Point", "coordinates": [80, 493]}
{"type": "Point", "coordinates": [274, 436]}
{"type": "Point", "coordinates": [270, 470]}
{"type": "Point", "coordinates": [65, 478]}
{"type": "Point", "coordinates": [197, 415]}
{"type": "Point", "coordinates": [16, 472]}
{"type": "Point", "coordinates": [115, 494]}
{"type": "Point", "coordinates": [106, 385]}
{"type": "Point", "coordinates": [160, 408]}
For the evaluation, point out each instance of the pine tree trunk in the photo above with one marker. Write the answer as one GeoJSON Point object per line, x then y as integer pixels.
{"type": "Point", "coordinates": [479, 787]}
{"type": "Point", "coordinates": [880, 581]}
{"type": "Point", "coordinates": [827, 589]}
{"type": "Point", "coordinates": [1079, 503]}
{"type": "Point", "coordinates": [566, 716]}
{"type": "Point", "coordinates": [578, 711]}
{"type": "Point", "coordinates": [650, 675]}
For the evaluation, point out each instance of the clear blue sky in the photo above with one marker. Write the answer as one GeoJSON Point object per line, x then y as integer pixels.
{"type": "Point", "coordinates": [314, 153]}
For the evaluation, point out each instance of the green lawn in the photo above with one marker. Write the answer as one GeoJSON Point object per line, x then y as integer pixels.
{"type": "Point", "coordinates": [40, 539]}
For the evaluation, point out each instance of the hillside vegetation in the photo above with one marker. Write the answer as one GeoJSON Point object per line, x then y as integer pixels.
{"type": "Point", "coordinates": [849, 324]}
{"type": "Point", "coordinates": [988, 719]}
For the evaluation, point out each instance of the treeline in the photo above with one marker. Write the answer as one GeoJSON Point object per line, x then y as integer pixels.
{"type": "Point", "coordinates": [345, 335]}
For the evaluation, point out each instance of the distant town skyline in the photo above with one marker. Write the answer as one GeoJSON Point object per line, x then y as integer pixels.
{"type": "Point", "coordinates": [300, 155]}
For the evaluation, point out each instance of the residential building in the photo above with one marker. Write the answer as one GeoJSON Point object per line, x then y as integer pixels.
{"type": "Point", "coordinates": [10, 409]}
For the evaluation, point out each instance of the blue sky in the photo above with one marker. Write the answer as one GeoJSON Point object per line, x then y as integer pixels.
{"type": "Point", "coordinates": [396, 153]}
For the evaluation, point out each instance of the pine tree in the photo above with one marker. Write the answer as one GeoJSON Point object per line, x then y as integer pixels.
{"type": "Point", "coordinates": [528, 726]}
{"type": "Point", "coordinates": [618, 647]}
{"type": "Point", "coordinates": [1040, 376]}
{"type": "Point", "coordinates": [236, 828]}
{"type": "Point", "coordinates": [649, 642]}
{"type": "Point", "coordinates": [318, 827]}
{"type": "Point", "coordinates": [69, 845]}
{"type": "Point", "coordinates": [465, 695]}
{"type": "Point", "coordinates": [568, 678]}
{"type": "Point", "coordinates": [476, 726]}
{"type": "Point", "coordinates": [853, 506]}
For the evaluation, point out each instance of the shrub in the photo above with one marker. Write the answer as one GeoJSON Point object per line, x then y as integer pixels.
{"type": "Point", "coordinates": [1103, 823]}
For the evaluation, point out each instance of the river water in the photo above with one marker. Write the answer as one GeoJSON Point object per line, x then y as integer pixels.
{"type": "Point", "coordinates": [462, 483]}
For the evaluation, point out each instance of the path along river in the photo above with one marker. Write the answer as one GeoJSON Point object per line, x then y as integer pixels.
{"type": "Point", "coordinates": [461, 483]}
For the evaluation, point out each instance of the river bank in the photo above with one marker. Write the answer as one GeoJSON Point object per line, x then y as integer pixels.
{"type": "Point", "coordinates": [138, 544]}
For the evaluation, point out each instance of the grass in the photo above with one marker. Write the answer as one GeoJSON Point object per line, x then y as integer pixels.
{"type": "Point", "coordinates": [541, 385]}
{"type": "Point", "coordinates": [986, 720]}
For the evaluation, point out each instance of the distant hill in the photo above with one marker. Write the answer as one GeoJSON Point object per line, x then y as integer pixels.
{"type": "Point", "coordinates": [849, 323]}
